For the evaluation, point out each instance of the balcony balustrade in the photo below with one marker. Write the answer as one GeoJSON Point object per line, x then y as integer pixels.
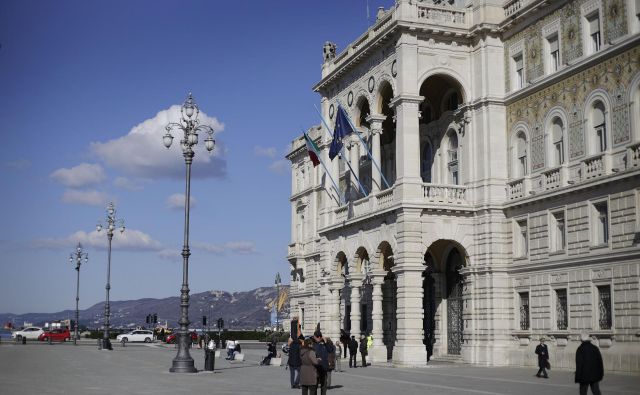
{"type": "Point", "coordinates": [516, 189]}
{"type": "Point", "coordinates": [593, 166]}
{"type": "Point", "coordinates": [439, 193]}
{"type": "Point", "coordinates": [633, 155]}
{"type": "Point", "coordinates": [552, 178]}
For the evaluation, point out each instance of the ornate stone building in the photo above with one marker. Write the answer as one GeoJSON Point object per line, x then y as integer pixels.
{"type": "Point", "coordinates": [502, 203]}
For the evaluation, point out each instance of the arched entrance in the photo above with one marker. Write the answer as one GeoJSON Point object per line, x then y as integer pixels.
{"type": "Point", "coordinates": [389, 299]}
{"type": "Point", "coordinates": [342, 269]}
{"type": "Point", "coordinates": [443, 303]}
{"type": "Point", "coordinates": [388, 138]}
{"type": "Point", "coordinates": [364, 162]}
{"type": "Point", "coordinates": [366, 292]}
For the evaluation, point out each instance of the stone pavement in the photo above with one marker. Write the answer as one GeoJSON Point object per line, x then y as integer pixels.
{"type": "Point", "coordinates": [144, 369]}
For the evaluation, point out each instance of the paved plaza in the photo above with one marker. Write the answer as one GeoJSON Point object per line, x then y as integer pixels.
{"type": "Point", "coordinates": [144, 369]}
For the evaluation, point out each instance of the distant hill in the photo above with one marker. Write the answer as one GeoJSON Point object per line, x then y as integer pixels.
{"type": "Point", "coordinates": [240, 310]}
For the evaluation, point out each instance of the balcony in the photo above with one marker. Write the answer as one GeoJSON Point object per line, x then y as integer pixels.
{"type": "Point", "coordinates": [292, 250]}
{"type": "Point", "coordinates": [516, 188]}
{"type": "Point", "coordinates": [633, 155]}
{"type": "Point", "coordinates": [364, 206]}
{"type": "Point", "coordinates": [593, 166]}
{"type": "Point", "coordinates": [552, 178]}
{"type": "Point", "coordinates": [442, 15]}
{"type": "Point", "coordinates": [438, 193]}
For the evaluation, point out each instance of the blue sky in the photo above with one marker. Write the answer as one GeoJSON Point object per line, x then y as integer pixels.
{"type": "Point", "coordinates": [85, 88]}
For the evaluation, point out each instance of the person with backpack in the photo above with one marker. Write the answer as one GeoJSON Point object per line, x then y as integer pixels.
{"type": "Point", "coordinates": [363, 350]}
{"type": "Point", "coordinates": [331, 351]}
{"type": "Point", "coordinates": [323, 367]}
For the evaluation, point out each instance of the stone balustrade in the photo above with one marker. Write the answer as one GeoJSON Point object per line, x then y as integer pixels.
{"type": "Point", "coordinates": [438, 14]}
{"type": "Point", "coordinates": [516, 188]}
{"type": "Point", "coordinates": [633, 155]}
{"type": "Point", "coordinates": [439, 193]}
{"type": "Point", "coordinates": [552, 178]}
{"type": "Point", "coordinates": [593, 166]}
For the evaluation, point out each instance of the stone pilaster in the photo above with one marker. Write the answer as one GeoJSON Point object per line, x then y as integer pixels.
{"type": "Point", "coordinates": [333, 327]}
{"type": "Point", "coordinates": [355, 281]}
{"type": "Point", "coordinates": [375, 121]}
{"type": "Point", "coordinates": [409, 349]}
{"type": "Point", "coordinates": [378, 352]}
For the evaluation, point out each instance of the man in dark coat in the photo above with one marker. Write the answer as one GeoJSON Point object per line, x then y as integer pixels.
{"type": "Point", "coordinates": [323, 355]}
{"type": "Point", "coordinates": [589, 368]}
{"type": "Point", "coordinates": [353, 352]}
{"type": "Point", "coordinates": [543, 357]}
{"type": "Point", "coordinates": [294, 362]}
{"type": "Point", "coordinates": [344, 339]}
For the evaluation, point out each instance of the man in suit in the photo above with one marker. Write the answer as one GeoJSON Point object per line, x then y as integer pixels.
{"type": "Point", "coordinates": [543, 358]}
{"type": "Point", "coordinates": [353, 352]}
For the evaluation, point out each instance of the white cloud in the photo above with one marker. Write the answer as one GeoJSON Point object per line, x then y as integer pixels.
{"type": "Point", "coordinates": [170, 255]}
{"type": "Point", "coordinates": [237, 247]}
{"type": "Point", "coordinates": [89, 197]}
{"type": "Point", "coordinates": [281, 166]}
{"type": "Point", "coordinates": [141, 153]}
{"type": "Point", "coordinates": [125, 183]}
{"type": "Point", "coordinates": [176, 201]}
{"type": "Point", "coordinates": [82, 175]}
{"type": "Point", "coordinates": [131, 239]}
{"type": "Point", "coordinates": [19, 164]}
{"type": "Point", "coordinates": [269, 152]}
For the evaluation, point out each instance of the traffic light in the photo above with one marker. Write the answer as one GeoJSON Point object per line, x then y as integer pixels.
{"type": "Point", "coordinates": [155, 318]}
{"type": "Point", "coordinates": [148, 319]}
{"type": "Point", "coordinates": [204, 320]}
{"type": "Point", "coordinates": [220, 323]}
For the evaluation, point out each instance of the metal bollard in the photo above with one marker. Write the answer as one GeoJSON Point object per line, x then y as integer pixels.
{"type": "Point", "coordinates": [24, 340]}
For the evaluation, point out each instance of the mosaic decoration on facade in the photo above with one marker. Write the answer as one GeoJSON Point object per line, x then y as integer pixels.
{"type": "Point", "coordinates": [571, 32]}
{"type": "Point", "coordinates": [537, 147]}
{"type": "Point", "coordinates": [615, 19]}
{"type": "Point", "coordinates": [533, 48]}
{"type": "Point", "coordinates": [613, 75]}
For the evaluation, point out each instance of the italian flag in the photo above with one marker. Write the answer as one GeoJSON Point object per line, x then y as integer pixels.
{"type": "Point", "coordinates": [314, 151]}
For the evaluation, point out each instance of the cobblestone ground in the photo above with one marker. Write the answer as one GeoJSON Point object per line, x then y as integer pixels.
{"type": "Point", "coordinates": [144, 369]}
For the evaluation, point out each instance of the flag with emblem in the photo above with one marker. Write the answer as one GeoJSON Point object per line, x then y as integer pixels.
{"type": "Point", "coordinates": [343, 128]}
{"type": "Point", "coordinates": [314, 151]}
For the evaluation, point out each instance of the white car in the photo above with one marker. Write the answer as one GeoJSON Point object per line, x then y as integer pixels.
{"type": "Point", "coordinates": [136, 336]}
{"type": "Point", "coordinates": [30, 333]}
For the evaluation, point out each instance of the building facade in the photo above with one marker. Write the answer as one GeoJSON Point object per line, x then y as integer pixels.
{"type": "Point", "coordinates": [500, 201]}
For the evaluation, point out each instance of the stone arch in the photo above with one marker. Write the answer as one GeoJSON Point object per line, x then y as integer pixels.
{"type": "Point", "coordinates": [384, 86]}
{"type": "Point", "coordinates": [519, 131]}
{"type": "Point", "coordinates": [384, 256]}
{"type": "Point", "coordinates": [341, 264]}
{"type": "Point", "coordinates": [449, 74]}
{"type": "Point", "coordinates": [598, 101]}
{"type": "Point", "coordinates": [554, 142]}
{"type": "Point", "coordinates": [361, 258]}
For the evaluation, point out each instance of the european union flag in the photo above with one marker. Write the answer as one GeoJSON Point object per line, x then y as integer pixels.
{"type": "Point", "coordinates": [343, 128]}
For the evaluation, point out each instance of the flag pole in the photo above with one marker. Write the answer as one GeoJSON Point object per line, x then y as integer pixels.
{"type": "Point", "coordinates": [366, 146]}
{"type": "Point", "coordinates": [364, 193]}
{"type": "Point", "coordinates": [335, 186]}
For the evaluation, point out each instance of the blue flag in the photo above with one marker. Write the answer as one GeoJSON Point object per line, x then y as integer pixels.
{"type": "Point", "coordinates": [343, 129]}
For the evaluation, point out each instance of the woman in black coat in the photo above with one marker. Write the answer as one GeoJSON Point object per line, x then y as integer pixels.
{"type": "Point", "coordinates": [294, 361]}
{"type": "Point", "coordinates": [589, 367]}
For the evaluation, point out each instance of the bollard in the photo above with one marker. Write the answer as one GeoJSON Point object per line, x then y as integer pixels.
{"type": "Point", "coordinates": [24, 340]}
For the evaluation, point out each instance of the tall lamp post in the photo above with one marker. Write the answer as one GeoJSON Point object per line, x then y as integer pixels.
{"type": "Point", "coordinates": [111, 222]}
{"type": "Point", "coordinates": [189, 126]}
{"type": "Point", "coordinates": [78, 256]}
{"type": "Point", "coordinates": [278, 282]}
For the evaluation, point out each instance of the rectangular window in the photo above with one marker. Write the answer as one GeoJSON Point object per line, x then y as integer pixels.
{"type": "Point", "coordinates": [559, 151]}
{"type": "Point", "coordinates": [562, 319]}
{"type": "Point", "coordinates": [553, 63]}
{"type": "Point", "coordinates": [604, 307]}
{"type": "Point", "coordinates": [522, 239]}
{"type": "Point", "coordinates": [518, 77]}
{"type": "Point", "coordinates": [601, 223]}
{"type": "Point", "coordinates": [595, 38]}
{"type": "Point", "coordinates": [557, 232]}
{"type": "Point", "coordinates": [524, 311]}
{"type": "Point", "coordinates": [601, 134]}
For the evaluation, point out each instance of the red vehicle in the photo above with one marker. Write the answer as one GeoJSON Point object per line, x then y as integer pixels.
{"type": "Point", "coordinates": [171, 339]}
{"type": "Point", "coordinates": [56, 335]}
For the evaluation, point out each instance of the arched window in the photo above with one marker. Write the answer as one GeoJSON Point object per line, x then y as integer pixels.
{"type": "Point", "coordinates": [452, 158]}
{"type": "Point", "coordinates": [521, 166]}
{"type": "Point", "coordinates": [426, 162]}
{"type": "Point", "coordinates": [556, 134]}
{"type": "Point", "coordinates": [597, 128]}
{"type": "Point", "coordinates": [635, 113]}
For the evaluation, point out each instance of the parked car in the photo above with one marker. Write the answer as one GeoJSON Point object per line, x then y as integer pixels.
{"type": "Point", "coordinates": [56, 335]}
{"type": "Point", "coordinates": [139, 335]}
{"type": "Point", "coordinates": [30, 333]}
{"type": "Point", "coordinates": [174, 336]}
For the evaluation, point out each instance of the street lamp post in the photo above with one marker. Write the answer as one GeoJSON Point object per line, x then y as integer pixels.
{"type": "Point", "coordinates": [189, 126]}
{"type": "Point", "coordinates": [275, 304]}
{"type": "Point", "coordinates": [111, 222]}
{"type": "Point", "coordinates": [78, 256]}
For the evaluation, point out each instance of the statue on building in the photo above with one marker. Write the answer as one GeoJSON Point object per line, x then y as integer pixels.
{"type": "Point", "coordinates": [329, 51]}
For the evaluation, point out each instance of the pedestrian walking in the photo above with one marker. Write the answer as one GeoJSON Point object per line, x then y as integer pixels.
{"type": "Point", "coordinates": [294, 362]}
{"type": "Point", "coordinates": [344, 339]}
{"type": "Point", "coordinates": [589, 368]}
{"type": "Point", "coordinates": [338, 357]}
{"type": "Point", "coordinates": [363, 350]}
{"type": "Point", "coordinates": [543, 359]}
{"type": "Point", "coordinates": [323, 355]}
{"type": "Point", "coordinates": [308, 371]}
{"type": "Point", "coordinates": [353, 352]}
{"type": "Point", "coordinates": [331, 351]}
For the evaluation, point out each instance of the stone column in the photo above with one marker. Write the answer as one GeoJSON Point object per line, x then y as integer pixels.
{"type": "Point", "coordinates": [409, 349]}
{"type": "Point", "coordinates": [333, 328]}
{"type": "Point", "coordinates": [355, 281]}
{"type": "Point", "coordinates": [375, 120]}
{"type": "Point", "coordinates": [378, 352]}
